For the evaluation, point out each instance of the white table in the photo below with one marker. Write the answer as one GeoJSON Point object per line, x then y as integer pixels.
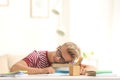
{"type": "Point", "coordinates": [61, 77]}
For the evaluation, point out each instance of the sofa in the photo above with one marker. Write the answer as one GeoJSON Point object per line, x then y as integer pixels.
{"type": "Point", "coordinates": [7, 60]}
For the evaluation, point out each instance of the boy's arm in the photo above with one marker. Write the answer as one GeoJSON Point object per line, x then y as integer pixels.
{"type": "Point", "coordinates": [21, 65]}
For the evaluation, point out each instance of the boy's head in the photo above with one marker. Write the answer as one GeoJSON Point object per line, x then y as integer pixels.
{"type": "Point", "coordinates": [68, 52]}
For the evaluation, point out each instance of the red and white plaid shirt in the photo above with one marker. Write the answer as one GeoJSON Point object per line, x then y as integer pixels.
{"type": "Point", "coordinates": [37, 59]}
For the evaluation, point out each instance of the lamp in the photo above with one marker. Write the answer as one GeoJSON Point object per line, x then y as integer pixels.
{"type": "Point", "coordinates": [58, 10]}
{"type": "Point", "coordinates": [61, 31]}
{"type": "Point", "coordinates": [58, 7]}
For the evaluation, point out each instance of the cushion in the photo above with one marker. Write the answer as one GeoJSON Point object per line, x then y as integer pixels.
{"type": "Point", "coordinates": [3, 64]}
{"type": "Point", "coordinates": [13, 58]}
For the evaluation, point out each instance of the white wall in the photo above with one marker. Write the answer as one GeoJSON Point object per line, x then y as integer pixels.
{"type": "Point", "coordinates": [116, 35]}
{"type": "Point", "coordinates": [95, 26]}
{"type": "Point", "coordinates": [91, 28]}
{"type": "Point", "coordinates": [21, 33]}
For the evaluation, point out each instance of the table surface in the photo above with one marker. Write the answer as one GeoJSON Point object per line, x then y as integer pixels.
{"type": "Point", "coordinates": [60, 77]}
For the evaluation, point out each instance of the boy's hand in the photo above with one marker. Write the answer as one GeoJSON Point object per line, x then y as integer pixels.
{"type": "Point", "coordinates": [48, 70]}
{"type": "Point", "coordinates": [84, 68]}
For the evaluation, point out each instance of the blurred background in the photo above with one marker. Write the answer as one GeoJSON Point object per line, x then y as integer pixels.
{"type": "Point", "coordinates": [92, 24]}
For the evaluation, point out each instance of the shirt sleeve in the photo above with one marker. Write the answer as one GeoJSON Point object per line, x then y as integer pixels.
{"type": "Point", "coordinates": [31, 58]}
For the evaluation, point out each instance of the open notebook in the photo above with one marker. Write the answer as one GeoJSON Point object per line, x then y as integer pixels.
{"type": "Point", "coordinates": [99, 73]}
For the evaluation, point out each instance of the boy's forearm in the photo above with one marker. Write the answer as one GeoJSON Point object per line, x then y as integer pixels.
{"type": "Point", "coordinates": [21, 66]}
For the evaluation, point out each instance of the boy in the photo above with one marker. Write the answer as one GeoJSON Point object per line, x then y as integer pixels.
{"type": "Point", "coordinates": [39, 62]}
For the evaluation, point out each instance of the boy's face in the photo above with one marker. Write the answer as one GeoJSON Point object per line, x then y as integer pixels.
{"type": "Point", "coordinates": [62, 55]}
